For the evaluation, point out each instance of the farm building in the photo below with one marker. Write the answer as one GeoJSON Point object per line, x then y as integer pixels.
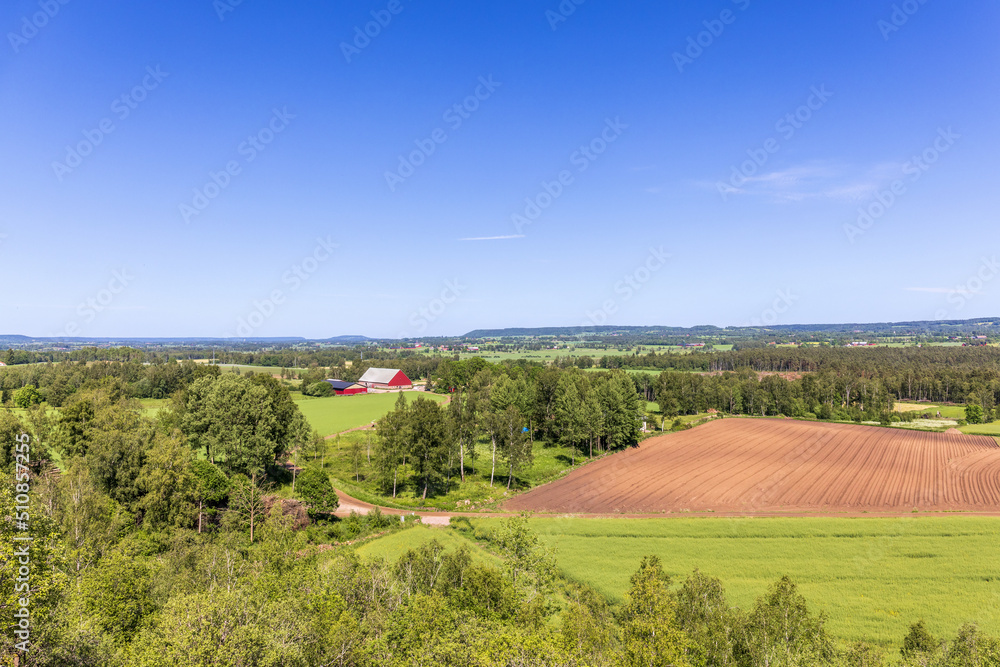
{"type": "Point", "coordinates": [342, 388]}
{"type": "Point", "coordinates": [385, 378]}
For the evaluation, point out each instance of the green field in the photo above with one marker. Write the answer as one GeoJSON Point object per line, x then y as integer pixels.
{"type": "Point", "coordinates": [335, 414]}
{"type": "Point", "coordinates": [981, 429]}
{"type": "Point", "coordinates": [873, 577]}
{"type": "Point", "coordinates": [947, 411]}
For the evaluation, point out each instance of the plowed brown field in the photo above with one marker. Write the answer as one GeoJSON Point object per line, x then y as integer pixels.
{"type": "Point", "coordinates": [763, 465]}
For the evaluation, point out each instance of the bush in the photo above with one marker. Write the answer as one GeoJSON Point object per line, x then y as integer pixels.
{"type": "Point", "coordinates": [320, 389]}
{"type": "Point", "coordinates": [314, 488]}
{"type": "Point", "coordinates": [27, 396]}
{"type": "Point", "coordinates": [919, 641]}
{"type": "Point", "coordinates": [973, 413]}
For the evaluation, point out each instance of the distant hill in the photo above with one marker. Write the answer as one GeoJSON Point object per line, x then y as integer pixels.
{"type": "Point", "coordinates": [347, 340]}
{"type": "Point", "coordinates": [928, 326]}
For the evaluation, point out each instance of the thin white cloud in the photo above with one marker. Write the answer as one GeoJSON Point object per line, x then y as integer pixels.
{"type": "Point", "coordinates": [493, 238]}
{"type": "Point", "coordinates": [940, 290]}
{"type": "Point", "coordinates": [815, 180]}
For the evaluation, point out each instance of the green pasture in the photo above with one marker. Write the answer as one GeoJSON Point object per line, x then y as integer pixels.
{"type": "Point", "coordinates": [873, 577]}
{"type": "Point", "coordinates": [947, 411]}
{"type": "Point", "coordinates": [335, 414]}
{"type": "Point", "coordinates": [981, 429]}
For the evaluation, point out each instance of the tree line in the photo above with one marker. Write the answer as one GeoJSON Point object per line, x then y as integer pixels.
{"type": "Point", "coordinates": [507, 408]}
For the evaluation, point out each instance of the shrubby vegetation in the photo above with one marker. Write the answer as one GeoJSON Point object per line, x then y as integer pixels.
{"type": "Point", "coordinates": [163, 541]}
{"type": "Point", "coordinates": [174, 597]}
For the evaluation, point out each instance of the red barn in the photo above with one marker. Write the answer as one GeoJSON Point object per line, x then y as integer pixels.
{"type": "Point", "coordinates": [341, 388]}
{"type": "Point", "coordinates": [385, 378]}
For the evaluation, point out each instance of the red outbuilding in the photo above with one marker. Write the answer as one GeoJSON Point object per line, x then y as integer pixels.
{"type": "Point", "coordinates": [341, 388]}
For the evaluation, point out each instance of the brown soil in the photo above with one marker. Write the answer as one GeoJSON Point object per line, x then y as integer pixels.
{"type": "Point", "coordinates": [753, 466]}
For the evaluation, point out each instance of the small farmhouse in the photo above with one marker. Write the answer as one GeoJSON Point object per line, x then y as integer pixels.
{"type": "Point", "coordinates": [342, 388]}
{"type": "Point", "coordinates": [385, 378]}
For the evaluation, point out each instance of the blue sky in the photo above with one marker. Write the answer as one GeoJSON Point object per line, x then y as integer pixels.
{"type": "Point", "coordinates": [186, 169]}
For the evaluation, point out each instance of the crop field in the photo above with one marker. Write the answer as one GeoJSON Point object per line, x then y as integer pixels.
{"type": "Point", "coordinates": [873, 577]}
{"type": "Point", "coordinates": [982, 429]}
{"type": "Point", "coordinates": [947, 411]}
{"type": "Point", "coordinates": [783, 466]}
{"type": "Point", "coordinates": [334, 414]}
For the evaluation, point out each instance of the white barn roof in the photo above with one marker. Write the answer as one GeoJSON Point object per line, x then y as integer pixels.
{"type": "Point", "coordinates": [379, 375]}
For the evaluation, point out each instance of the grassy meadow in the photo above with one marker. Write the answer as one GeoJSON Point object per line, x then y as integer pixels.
{"type": "Point", "coordinates": [947, 411]}
{"type": "Point", "coordinates": [982, 429]}
{"type": "Point", "coordinates": [335, 414]}
{"type": "Point", "coordinates": [873, 577]}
